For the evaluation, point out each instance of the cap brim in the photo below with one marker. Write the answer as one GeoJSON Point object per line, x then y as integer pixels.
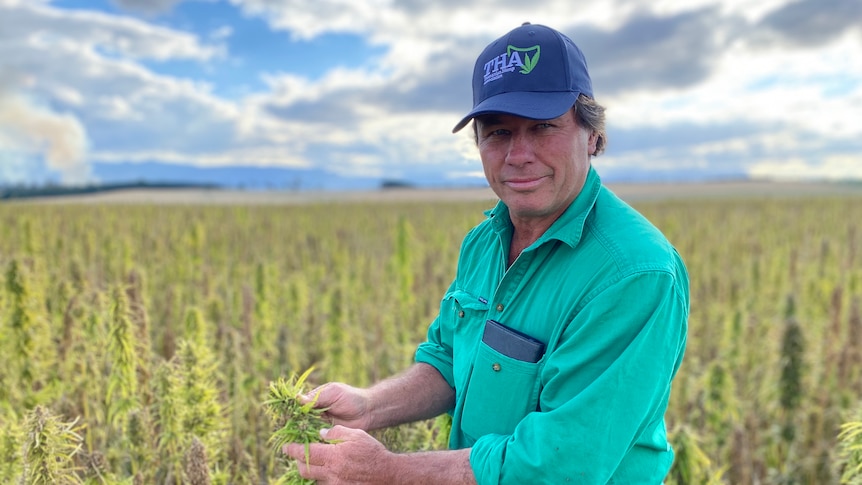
{"type": "Point", "coordinates": [535, 106]}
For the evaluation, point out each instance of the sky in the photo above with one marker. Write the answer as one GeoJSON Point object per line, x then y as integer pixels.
{"type": "Point", "coordinates": [343, 89]}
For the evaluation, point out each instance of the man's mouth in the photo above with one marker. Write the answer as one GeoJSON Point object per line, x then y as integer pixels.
{"type": "Point", "coordinates": [524, 183]}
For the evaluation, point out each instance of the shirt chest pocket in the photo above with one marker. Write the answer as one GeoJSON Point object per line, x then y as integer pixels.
{"type": "Point", "coordinates": [501, 392]}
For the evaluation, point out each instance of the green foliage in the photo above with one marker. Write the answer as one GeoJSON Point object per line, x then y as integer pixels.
{"type": "Point", "coordinates": [245, 295]}
{"type": "Point", "coordinates": [24, 328]}
{"type": "Point", "coordinates": [792, 355]}
{"type": "Point", "coordinates": [720, 406]}
{"type": "Point", "coordinates": [169, 419]}
{"type": "Point", "coordinates": [10, 448]}
{"type": "Point", "coordinates": [201, 413]}
{"type": "Point", "coordinates": [691, 464]}
{"type": "Point", "coordinates": [49, 447]}
{"type": "Point", "coordinates": [141, 442]}
{"type": "Point", "coordinates": [293, 419]}
{"type": "Point", "coordinates": [850, 452]}
{"type": "Point", "coordinates": [122, 388]}
{"type": "Point", "coordinates": [196, 328]}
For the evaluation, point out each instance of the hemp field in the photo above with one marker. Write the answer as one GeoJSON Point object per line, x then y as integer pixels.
{"type": "Point", "coordinates": [138, 338]}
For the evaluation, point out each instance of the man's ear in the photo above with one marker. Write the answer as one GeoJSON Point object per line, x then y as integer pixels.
{"type": "Point", "coordinates": [592, 141]}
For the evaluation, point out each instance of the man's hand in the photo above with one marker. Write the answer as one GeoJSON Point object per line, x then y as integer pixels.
{"type": "Point", "coordinates": [353, 456]}
{"type": "Point", "coordinates": [418, 393]}
{"type": "Point", "coordinates": [346, 405]}
{"type": "Point", "coordinates": [350, 456]}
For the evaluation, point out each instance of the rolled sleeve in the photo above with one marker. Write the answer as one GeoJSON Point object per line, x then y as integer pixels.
{"type": "Point", "coordinates": [438, 357]}
{"type": "Point", "coordinates": [437, 348]}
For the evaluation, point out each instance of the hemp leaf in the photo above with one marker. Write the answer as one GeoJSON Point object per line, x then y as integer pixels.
{"type": "Point", "coordinates": [530, 63]}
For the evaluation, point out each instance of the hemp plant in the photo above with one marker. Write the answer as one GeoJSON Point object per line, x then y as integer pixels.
{"type": "Point", "coordinates": [49, 449]}
{"type": "Point", "coordinates": [849, 448]}
{"type": "Point", "coordinates": [293, 420]}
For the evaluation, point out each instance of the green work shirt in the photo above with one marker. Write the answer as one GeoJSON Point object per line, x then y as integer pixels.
{"type": "Point", "coordinates": [608, 295]}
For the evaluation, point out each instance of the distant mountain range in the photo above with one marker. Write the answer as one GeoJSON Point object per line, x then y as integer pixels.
{"type": "Point", "coordinates": [232, 177]}
{"type": "Point", "coordinates": [110, 177]}
{"type": "Point", "coordinates": [114, 176]}
{"type": "Point", "coordinates": [288, 178]}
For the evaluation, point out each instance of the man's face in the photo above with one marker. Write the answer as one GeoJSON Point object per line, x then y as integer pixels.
{"type": "Point", "coordinates": [536, 167]}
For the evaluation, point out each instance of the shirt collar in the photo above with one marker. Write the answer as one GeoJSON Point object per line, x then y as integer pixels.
{"type": "Point", "coordinates": [569, 227]}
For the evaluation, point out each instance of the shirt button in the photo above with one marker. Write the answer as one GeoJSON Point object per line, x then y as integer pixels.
{"type": "Point", "coordinates": [499, 307]}
{"type": "Point", "coordinates": [496, 367]}
{"type": "Point", "coordinates": [461, 314]}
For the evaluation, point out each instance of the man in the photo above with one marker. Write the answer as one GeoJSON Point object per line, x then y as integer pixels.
{"type": "Point", "coordinates": [556, 344]}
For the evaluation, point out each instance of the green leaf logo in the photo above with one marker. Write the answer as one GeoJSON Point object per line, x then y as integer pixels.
{"type": "Point", "coordinates": [529, 62]}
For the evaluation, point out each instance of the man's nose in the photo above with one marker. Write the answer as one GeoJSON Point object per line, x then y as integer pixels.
{"type": "Point", "coordinates": [520, 149]}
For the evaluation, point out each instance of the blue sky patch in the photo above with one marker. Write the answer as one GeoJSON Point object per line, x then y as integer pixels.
{"type": "Point", "coordinates": [252, 47]}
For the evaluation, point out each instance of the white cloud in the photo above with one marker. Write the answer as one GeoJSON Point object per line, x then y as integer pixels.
{"type": "Point", "coordinates": [124, 102]}
{"type": "Point", "coordinates": [221, 33]}
{"type": "Point", "coordinates": [833, 167]}
{"type": "Point", "coordinates": [45, 26]}
{"type": "Point", "coordinates": [64, 72]}
{"type": "Point", "coordinates": [472, 174]}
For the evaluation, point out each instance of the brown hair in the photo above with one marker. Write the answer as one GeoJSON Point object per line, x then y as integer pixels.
{"type": "Point", "coordinates": [591, 115]}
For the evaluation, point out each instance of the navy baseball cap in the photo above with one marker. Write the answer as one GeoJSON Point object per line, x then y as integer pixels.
{"type": "Point", "coordinates": [533, 72]}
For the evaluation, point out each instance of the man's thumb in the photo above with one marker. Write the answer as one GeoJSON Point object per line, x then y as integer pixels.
{"type": "Point", "coordinates": [335, 434]}
{"type": "Point", "coordinates": [312, 396]}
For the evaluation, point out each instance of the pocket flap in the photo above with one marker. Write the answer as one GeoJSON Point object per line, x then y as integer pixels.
{"type": "Point", "coordinates": [467, 300]}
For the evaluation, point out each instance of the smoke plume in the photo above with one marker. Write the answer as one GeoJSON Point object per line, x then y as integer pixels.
{"type": "Point", "coordinates": [59, 139]}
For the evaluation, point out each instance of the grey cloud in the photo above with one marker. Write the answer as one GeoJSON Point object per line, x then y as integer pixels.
{"type": "Point", "coordinates": [681, 135]}
{"type": "Point", "coordinates": [652, 52]}
{"type": "Point", "coordinates": [149, 7]}
{"type": "Point", "coordinates": [336, 109]}
{"type": "Point", "coordinates": [814, 22]}
{"type": "Point", "coordinates": [672, 152]}
{"type": "Point", "coordinates": [669, 153]}
{"type": "Point", "coordinates": [443, 87]}
{"type": "Point", "coordinates": [421, 6]}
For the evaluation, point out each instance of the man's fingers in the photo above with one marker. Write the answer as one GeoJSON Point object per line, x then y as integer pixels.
{"type": "Point", "coordinates": [294, 450]}
{"type": "Point", "coordinates": [307, 471]}
{"type": "Point", "coordinates": [297, 452]}
{"type": "Point", "coordinates": [310, 470]}
{"type": "Point", "coordinates": [317, 453]}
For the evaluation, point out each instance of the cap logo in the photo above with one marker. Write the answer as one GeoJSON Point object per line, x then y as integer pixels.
{"type": "Point", "coordinates": [496, 67]}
